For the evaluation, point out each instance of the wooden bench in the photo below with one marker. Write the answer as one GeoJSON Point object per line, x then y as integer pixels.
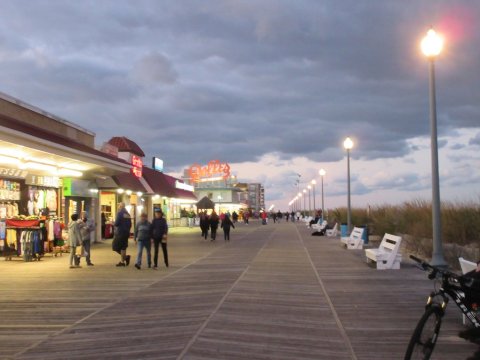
{"type": "Point", "coordinates": [386, 255]}
{"type": "Point", "coordinates": [332, 232]}
{"type": "Point", "coordinates": [354, 241]}
{"type": "Point", "coordinates": [466, 267]}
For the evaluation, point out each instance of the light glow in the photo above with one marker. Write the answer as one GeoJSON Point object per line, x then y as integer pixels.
{"type": "Point", "coordinates": [322, 172]}
{"type": "Point", "coordinates": [348, 143]}
{"type": "Point", "coordinates": [432, 44]}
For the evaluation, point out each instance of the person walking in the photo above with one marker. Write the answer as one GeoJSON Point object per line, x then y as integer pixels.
{"type": "Point", "coordinates": [214, 220]}
{"type": "Point", "coordinates": [86, 228]}
{"type": "Point", "coordinates": [159, 230]}
{"type": "Point", "coordinates": [234, 217]}
{"type": "Point", "coordinates": [74, 240]}
{"type": "Point", "coordinates": [204, 224]}
{"type": "Point", "coordinates": [226, 224]}
{"type": "Point", "coordinates": [246, 215]}
{"type": "Point", "coordinates": [143, 236]}
{"type": "Point", "coordinates": [123, 223]}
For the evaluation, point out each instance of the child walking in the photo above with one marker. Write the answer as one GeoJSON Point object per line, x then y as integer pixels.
{"type": "Point", "coordinates": [143, 236]}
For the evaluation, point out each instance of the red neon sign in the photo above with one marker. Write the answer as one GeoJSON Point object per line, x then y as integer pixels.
{"type": "Point", "coordinates": [137, 165]}
{"type": "Point", "coordinates": [214, 169]}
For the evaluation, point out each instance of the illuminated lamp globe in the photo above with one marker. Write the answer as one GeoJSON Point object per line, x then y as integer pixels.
{"type": "Point", "coordinates": [432, 44]}
{"type": "Point", "coordinates": [348, 143]}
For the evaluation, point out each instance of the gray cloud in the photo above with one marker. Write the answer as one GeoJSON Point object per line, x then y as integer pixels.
{"type": "Point", "coordinates": [475, 140]}
{"type": "Point", "coordinates": [191, 81]}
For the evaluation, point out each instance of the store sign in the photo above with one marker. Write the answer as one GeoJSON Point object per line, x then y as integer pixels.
{"type": "Point", "coordinates": [45, 181]}
{"type": "Point", "coordinates": [157, 164]}
{"type": "Point", "coordinates": [215, 170]}
{"type": "Point", "coordinates": [137, 165]}
{"type": "Point", "coordinates": [183, 186]}
{"type": "Point", "coordinates": [77, 187]}
{"type": "Point", "coordinates": [13, 173]}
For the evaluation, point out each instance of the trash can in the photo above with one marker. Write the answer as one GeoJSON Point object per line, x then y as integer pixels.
{"type": "Point", "coordinates": [365, 234]}
{"type": "Point", "coordinates": [344, 230]}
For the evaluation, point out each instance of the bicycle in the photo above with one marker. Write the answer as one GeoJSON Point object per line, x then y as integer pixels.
{"type": "Point", "coordinates": [425, 335]}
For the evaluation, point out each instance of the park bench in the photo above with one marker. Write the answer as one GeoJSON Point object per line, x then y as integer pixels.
{"type": "Point", "coordinates": [354, 241]}
{"type": "Point", "coordinates": [320, 225]}
{"type": "Point", "coordinates": [466, 267]}
{"type": "Point", "coordinates": [386, 255]}
{"type": "Point", "coordinates": [332, 232]}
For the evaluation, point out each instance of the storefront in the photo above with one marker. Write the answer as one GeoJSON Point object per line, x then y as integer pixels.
{"type": "Point", "coordinates": [170, 195]}
{"type": "Point", "coordinates": [126, 188]}
{"type": "Point", "coordinates": [44, 178]}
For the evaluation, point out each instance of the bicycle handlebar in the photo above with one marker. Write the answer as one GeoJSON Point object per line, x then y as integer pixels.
{"type": "Point", "coordinates": [434, 269]}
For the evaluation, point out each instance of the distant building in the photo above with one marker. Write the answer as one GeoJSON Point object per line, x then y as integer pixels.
{"type": "Point", "coordinates": [256, 196]}
{"type": "Point", "coordinates": [215, 181]}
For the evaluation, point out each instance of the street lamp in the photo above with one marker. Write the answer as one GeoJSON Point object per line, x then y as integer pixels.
{"type": "Point", "coordinates": [314, 182]}
{"type": "Point", "coordinates": [322, 173]}
{"type": "Point", "coordinates": [309, 187]}
{"type": "Point", "coordinates": [304, 202]}
{"type": "Point", "coordinates": [431, 46]}
{"type": "Point", "coordinates": [348, 145]}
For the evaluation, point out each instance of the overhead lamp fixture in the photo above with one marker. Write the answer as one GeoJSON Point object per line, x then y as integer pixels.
{"type": "Point", "coordinates": [128, 192]}
{"type": "Point", "coordinates": [5, 159]}
{"type": "Point", "coordinates": [39, 166]}
{"type": "Point", "coordinates": [139, 193]}
{"type": "Point", "coordinates": [120, 191]}
{"type": "Point", "coordinates": [69, 172]}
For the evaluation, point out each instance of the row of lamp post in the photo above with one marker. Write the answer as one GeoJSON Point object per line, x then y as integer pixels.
{"type": "Point", "coordinates": [296, 202]}
{"type": "Point", "coordinates": [431, 46]}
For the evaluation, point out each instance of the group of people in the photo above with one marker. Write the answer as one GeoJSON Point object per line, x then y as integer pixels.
{"type": "Point", "coordinates": [211, 222]}
{"type": "Point", "coordinates": [145, 233]}
{"type": "Point", "coordinates": [79, 230]}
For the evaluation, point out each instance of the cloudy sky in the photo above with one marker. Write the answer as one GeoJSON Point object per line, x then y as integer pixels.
{"type": "Point", "coordinates": [272, 87]}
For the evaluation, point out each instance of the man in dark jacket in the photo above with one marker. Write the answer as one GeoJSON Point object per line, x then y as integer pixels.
{"type": "Point", "coordinates": [159, 233]}
{"type": "Point", "coordinates": [123, 223]}
{"type": "Point", "coordinates": [226, 224]}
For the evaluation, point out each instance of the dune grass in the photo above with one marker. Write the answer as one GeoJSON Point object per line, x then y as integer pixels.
{"type": "Point", "coordinates": [460, 223]}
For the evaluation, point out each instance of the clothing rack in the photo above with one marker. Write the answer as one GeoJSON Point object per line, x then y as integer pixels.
{"type": "Point", "coordinates": [28, 243]}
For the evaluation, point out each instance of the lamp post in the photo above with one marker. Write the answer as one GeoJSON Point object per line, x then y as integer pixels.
{"type": "Point", "coordinates": [299, 202]}
{"type": "Point", "coordinates": [314, 182]}
{"type": "Point", "coordinates": [304, 202]}
{"type": "Point", "coordinates": [348, 145]}
{"type": "Point", "coordinates": [309, 187]}
{"type": "Point", "coordinates": [432, 45]}
{"type": "Point", "coordinates": [322, 173]}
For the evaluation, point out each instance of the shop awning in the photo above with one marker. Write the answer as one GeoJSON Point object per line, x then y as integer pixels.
{"type": "Point", "coordinates": [179, 193]}
{"type": "Point", "coordinates": [164, 185]}
{"type": "Point", "coordinates": [128, 181]}
{"type": "Point", "coordinates": [157, 182]}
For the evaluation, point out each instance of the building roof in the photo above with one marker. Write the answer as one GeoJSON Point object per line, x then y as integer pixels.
{"type": "Point", "coordinates": [124, 144]}
{"type": "Point", "coordinates": [44, 134]}
{"type": "Point", "coordinates": [205, 203]}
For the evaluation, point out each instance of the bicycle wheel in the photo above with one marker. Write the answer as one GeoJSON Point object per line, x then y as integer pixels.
{"type": "Point", "coordinates": [425, 335]}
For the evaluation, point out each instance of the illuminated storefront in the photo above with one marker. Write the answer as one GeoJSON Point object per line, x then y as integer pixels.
{"type": "Point", "coordinates": [47, 167]}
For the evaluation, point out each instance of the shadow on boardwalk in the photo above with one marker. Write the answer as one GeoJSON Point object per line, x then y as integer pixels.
{"type": "Point", "coordinates": [273, 292]}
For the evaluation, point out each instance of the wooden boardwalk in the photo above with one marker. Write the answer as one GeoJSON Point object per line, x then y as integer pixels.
{"type": "Point", "coordinates": [273, 292]}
